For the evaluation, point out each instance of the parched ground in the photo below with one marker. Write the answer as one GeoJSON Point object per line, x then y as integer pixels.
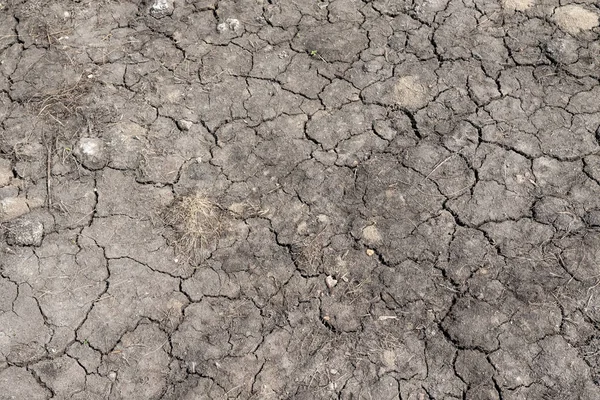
{"type": "Point", "coordinates": [299, 199]}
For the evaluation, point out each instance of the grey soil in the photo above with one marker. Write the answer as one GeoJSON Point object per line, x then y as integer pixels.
{"type": "Point", "coordinates": [273, 199]}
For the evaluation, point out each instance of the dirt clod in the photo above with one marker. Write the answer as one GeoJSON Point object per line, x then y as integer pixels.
{"type": "Point", "coordinates": [12, 207]}
{"type": "Point", "coordinates": [575, 18]}
{"type": "Point", "coordinates": [518, 5]}
{"type": "Point", "coordinates": [161, 8]}
{"type": "Point", "coordinates": [91, 153]}
{"type": "Point", "coordinates": [23, 232]}
{"type": "Point", "coordinates": [230, 24]}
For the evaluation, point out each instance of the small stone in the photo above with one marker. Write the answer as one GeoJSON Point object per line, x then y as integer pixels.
{"type": "Point", "coordinates": [370, 252]}
{"type": "Point", "coordinates": [161, 8]}
{"type": "Point", "coordinates": [90, 152]}
{"type": "Point", "coordinates": [25, 233]}
{"type": "Point", "coordinates": [184, 125]}
{"type": "Point", "coordinates": [330, 281]}
{"type": "Point", "coordinates": [12, 208]}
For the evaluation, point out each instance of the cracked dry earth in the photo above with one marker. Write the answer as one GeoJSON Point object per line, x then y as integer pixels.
{"type": "Point", "coordinates": [407, 195]}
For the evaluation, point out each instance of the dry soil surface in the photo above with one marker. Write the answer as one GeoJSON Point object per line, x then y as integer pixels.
{"type": "Point", "coordinates": [279, 199]}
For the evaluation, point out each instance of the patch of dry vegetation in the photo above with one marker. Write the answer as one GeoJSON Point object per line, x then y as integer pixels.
{"type": "Point", "coordinates": [197, 222]}
{"type": "Point", "coordinates": [62, 102]}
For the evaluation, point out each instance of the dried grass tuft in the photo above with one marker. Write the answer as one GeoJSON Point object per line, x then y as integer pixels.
{"type": "Point", "coordinates": [196, 221]}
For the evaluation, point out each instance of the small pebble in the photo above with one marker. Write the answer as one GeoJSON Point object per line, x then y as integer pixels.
{"type": "Point", "coordinates": [184, 125]}
{"type": "Point", "coordinates": [330, 281]}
